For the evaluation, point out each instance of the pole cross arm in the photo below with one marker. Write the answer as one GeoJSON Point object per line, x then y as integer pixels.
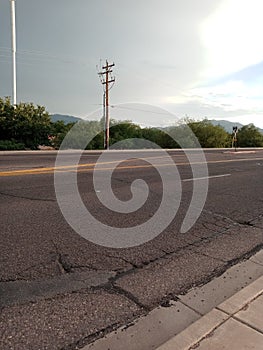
{"type": "Point", "coordinates": [108, 71]}
{"type": "Point", "coordinates": [110, 81]}
{"type": "Point", "coordinates": [108, 66]}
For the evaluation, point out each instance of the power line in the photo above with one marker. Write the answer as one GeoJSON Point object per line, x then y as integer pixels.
{"type": "Point", "coordinates": [40, 55]}
{"type": "Point", "coordinates": [147, 77]}
{"type": "Point", "coordinates": [140, 110]}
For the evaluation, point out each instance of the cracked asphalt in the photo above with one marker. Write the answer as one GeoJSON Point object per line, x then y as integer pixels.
{"type": "Point", "coordinates": [59, 291]}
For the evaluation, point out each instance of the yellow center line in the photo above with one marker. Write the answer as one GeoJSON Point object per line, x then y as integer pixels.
{"type": "Point", "coordinates": [168, 164]}
{"type": "Point", "coordinates": [71, 167]}
{"type": "Point", "coordinates": [74, 168]}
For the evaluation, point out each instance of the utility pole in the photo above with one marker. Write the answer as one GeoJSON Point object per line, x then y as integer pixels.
{"type": "Point", "coordinates": [107, 81]}
{"type": "Point", "coordinates": [13, 29]}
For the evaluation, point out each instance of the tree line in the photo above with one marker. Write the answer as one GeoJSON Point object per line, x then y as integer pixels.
{"type": "Point", "coordinates": [26, 126]}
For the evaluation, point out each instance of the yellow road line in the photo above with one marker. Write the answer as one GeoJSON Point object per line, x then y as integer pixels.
{"type": "Point", "coordinates": [167, 164]}
{"type": "Point", "coordinates": [74, 168]}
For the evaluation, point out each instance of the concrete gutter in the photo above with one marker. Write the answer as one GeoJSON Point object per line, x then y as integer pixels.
{"type": "Point", "coordinates": [200, 304]}
{"type": "Point", "coordinates": [235, 324]}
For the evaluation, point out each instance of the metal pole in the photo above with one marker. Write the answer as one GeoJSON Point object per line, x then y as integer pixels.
{"type": "Point", "coordinates": [13, 28]}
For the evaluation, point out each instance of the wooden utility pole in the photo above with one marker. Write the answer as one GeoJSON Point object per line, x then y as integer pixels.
{"type": "Point", "coordinates": [106, 80]}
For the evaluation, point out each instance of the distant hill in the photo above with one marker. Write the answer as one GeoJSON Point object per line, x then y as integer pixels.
{"type": "Point", "coordinates": [65, 118]}
{"type": "Point", "coordinates": [228, 126]}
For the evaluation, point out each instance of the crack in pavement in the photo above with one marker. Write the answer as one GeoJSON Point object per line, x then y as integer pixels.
{"type": "Point", "coordinates": [65, 265]}
{"type": "Point", "coordinates": [20, 292]}
{"type": "Point", "coordinates": [220, 216]}
{"type": "Point", "coordinates": [193, 245]}
{"type": "Point", "coordinates": [29, 290]}
{"type": "Point", "coordinates": [112, 288]}
{"type": "Point", "coordinates": [29, 198]}
{"type": "Point", "coordinates": [92, 337]}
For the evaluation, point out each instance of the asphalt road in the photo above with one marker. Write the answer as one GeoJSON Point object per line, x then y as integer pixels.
{"type": "Point", "coordinates": [61, 291]}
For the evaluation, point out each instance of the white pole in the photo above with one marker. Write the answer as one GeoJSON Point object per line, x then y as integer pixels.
{"type": "Point", "coordinates": [13, 28]}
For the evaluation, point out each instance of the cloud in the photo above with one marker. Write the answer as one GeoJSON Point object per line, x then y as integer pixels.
{"type": "Point", "coordinates": [218, 106]}
{"type": "Point", "coordinates": [230, 37]}
{"type": "Point", "coordinates": [193, 57]}
{"type": "Point", "coordinates": [232, 96]}
{"type": "Point", "coordinates": [252, 73]}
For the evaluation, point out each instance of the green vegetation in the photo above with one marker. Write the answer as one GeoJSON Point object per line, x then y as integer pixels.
{"type": "Point", "coordinates": [6, 145]}
{"type": "Point", "coordinates": [26, 126]}
{"type": "Point", "coordinates": [249, 136]}
{"type": "Point", "coordinates": [210, 135]}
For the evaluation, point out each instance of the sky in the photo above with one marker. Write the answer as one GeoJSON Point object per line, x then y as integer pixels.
{"type": "Point", "coordinates": [194, 58]}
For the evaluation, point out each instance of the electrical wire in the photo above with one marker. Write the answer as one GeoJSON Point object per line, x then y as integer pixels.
{"type": "Point", "coordinates": [143, 76]}
{"type": "Point", "coordinates": [40, 55]}
{"type": "Point", "coordinates": [140, 110]}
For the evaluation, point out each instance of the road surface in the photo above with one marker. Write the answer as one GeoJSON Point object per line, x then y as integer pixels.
{"type": "Point", "coordinates": [61, 291]}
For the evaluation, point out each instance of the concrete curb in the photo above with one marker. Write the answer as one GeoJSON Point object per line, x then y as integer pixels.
{"type": "Point", "coordinates": [200, 307]}
{"type": "Point", "coordinates": [224, 150]}
{"type": "Point", "coordinates": [204, 327]}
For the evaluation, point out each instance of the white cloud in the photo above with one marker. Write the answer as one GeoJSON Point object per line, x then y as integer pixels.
{"type": "Point", "coordinates": [231, 37]}
{"type": "Point", "coordinates": [232, 99]}
{"type": "Point", "coordinates": [232, 96]}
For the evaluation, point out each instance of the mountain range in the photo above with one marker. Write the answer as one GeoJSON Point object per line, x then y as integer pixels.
{"type": "Point", "coordinates": [227, 125]}
{"type": "Point", "coordinates": [65, 118]}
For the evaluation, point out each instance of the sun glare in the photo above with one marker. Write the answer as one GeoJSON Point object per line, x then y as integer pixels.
{"type": "Point", "coordinates": [231, 37]}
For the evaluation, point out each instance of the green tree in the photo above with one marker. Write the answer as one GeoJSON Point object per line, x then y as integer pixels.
{"type": "Point", "coordinates": [249, 136]}
{"type": "Point", "coordinates": [125, 131]}
{"type": "Point", "coordinates": [183, 136]}
{"type": "Point", "coordinates": [58, 131]}
{"type": "Point", "coordinates": [24, 123]}
{"type": "Point", "coordinates": [210, 135]}
{"type": "Point", "coordinates": [7, 120]}
{"type": "Point", "coordinates": [82, 136]}
{"type": "Point", "coordinates": [160, 137]}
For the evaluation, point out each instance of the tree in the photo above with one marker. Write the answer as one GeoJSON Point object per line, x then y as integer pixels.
{"type": "Point", "coordinates": [125, 131]}
{"type": "Point", "coordinates": [249, 136]}
{"type": "Point", "coordinates": [210, 135]}
{"type": "Point", "coordinates": [84, 134]}
{"type": "Point", "coordinates": [24, 123]}
{"type": "Point", "coordinates": [183, 136]}
{"type": "Point", "coordinates": [159, 137]}
{"type": "Point", "coordinates": [7, 113]}
{"type": "Point", "coordinates": [58, 131]}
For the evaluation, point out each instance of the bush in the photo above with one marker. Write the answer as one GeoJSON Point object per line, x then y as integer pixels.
{"type": "Point", "coordinates": [7, 145]}
{"type": "Point", "coordinates": [249, 136]}
{"type": "Point", "coordinates": [25, 123]}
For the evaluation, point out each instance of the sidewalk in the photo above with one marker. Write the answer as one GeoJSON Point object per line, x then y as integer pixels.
{"type": "Point", "coordinates": [188, 321]}
{"type": "Point", "coordinates": [236, 324]}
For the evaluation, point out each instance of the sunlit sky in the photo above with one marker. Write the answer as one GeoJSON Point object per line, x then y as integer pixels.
{"type": "Point", "coordinates": [195, 58]}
